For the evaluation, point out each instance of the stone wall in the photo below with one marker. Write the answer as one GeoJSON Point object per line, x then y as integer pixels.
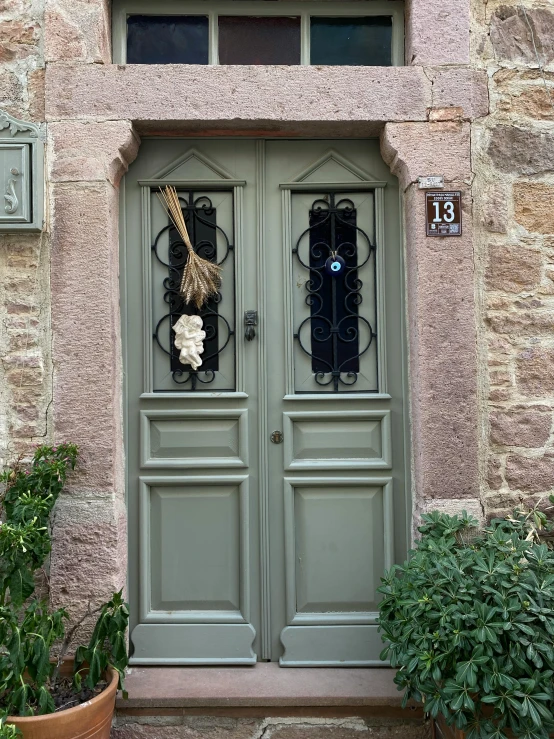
{"type": "Point", "coordinates": [513, 189]}
{"type": "Point", "coordinates": [25, 336]}
{"type": "Point", "coordinates": [513, 163]}
{"type": "Point", "coordinates": [190, 727]}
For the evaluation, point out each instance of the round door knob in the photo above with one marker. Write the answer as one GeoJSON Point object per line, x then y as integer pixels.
{"type": "Point", "coordinates": [276, 437]}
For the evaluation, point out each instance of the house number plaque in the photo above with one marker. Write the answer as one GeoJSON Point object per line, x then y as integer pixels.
{"type": "Point", "coordinates": [444, 213]}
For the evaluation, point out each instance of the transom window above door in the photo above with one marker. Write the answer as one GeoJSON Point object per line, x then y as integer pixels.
{"type": "Point", "coordinates": [259, 32]}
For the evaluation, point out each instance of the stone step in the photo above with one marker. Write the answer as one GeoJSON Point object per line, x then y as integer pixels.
{"type": "Point", "coordinates": [264, 702]}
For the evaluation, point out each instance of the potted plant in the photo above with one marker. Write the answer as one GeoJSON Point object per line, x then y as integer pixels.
{"type": "Point", "coordinates": [469, 624]}
{"type": "Point", "coordinates": [37, 698]}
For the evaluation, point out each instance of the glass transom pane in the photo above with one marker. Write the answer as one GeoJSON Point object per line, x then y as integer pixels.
{"type": "Point", "coordinates": [351, 41]}
{"type": "Point", "coordinates": [170, 39]}
{"type": "Point", "coordinates": [259, 40]}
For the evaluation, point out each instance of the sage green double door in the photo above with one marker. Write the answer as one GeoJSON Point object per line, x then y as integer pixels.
{"type": "Point", "coordinates": [267, 488]}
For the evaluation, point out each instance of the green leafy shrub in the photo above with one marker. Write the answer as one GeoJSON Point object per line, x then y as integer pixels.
{"type": "Point", "coordinates": [29, 630]}
{"type": "Point", "coordinates": [469, 623]}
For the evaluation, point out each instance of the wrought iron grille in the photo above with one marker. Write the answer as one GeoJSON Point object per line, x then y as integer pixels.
{"type": "Point", "coordinates": [336, 334]}
{"type": "Point", "coordinates": [212, 243]}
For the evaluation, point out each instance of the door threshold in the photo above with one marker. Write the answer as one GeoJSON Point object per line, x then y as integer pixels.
{"type": "Point", "coordinates": [266, 685]}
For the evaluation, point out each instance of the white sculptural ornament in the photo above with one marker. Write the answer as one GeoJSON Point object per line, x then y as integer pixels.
{"type": "Point", "coordinates": [189, 339]}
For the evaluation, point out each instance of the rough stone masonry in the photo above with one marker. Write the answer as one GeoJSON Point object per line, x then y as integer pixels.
{"type": "Point", "coordinates": [25, 337]}
{"type": "Point", "coordinates": [512, 189]}
{"type": "Point", "coordinates": [513, 224]}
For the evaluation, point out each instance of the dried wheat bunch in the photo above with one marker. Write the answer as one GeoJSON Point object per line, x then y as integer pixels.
{"type": "Point", "coordinates": [201, 279]}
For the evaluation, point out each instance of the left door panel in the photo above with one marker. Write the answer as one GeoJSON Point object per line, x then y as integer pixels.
{"type": "Point", "coordinates": [192, 455]}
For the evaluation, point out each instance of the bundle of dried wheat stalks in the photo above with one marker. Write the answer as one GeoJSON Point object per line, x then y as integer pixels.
{"type": "Point", "coordinates": [201, 279]}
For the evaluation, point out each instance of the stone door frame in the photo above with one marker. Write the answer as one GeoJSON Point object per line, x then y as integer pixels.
{"type": "Point", "coordinates": [96, 112]}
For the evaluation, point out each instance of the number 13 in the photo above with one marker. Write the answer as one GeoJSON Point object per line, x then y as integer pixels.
{"type": "Point", "coordinates": [448, 215]}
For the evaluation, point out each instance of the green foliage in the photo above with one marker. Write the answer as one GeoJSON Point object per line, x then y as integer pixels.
{"type": "Point", "coordinates": [9, 731]}
{"type": "Point", "coordinates": [28, 629]}
{"type": "Point", "coordinates": [29, 497]}
{"type": "Point", "coordinates": [469, 623]}
{"type": "Point", "coordinates": [107, 645]}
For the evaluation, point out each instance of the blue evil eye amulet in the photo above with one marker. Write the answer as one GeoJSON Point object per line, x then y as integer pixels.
{"type": "Point", "coordinates": [335, 266]}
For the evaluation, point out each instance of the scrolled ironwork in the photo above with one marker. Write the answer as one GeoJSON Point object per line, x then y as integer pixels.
{"type": "Point", "coordinates": [331, 334]}
{"type": "Point", "coordinates": [199, 214]}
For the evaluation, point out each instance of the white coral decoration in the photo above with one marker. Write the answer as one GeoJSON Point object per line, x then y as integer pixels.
{"type": "Point", "coordinates": [189, 339]}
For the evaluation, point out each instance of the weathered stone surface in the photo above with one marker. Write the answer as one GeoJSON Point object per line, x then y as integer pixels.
{"type": "Point", "coordinates": [321, 731]}
{"type": "Point", "coordinates": [264, 685]}
{"type": "Point", "coordinates": [446, 114]}
{"type": "Point", "coordinates": [513, 268]}
{"type": "Point", "coordinates": [91, 152]}
{"type": "Point", "coordinates": [11, 88]}
{"type": "Point", "coordinates": [525, 428]}
{"type": "Point", "coordinates": [523, 323]}
{"type": "Point", "coordinates": [63, 38]}
{"type": "Point", "coordinates": [77, 30]}
{"type": "Point", "coordinates": [521, 151]}
{"type": "Point", "coordinates": [533, 206]}
{"type": "Point", "coordinates": [87, 394]}
{"type": "Point", "coordinates": [530, 474]}
{"type": "Point", "coordinates": [225, 728]}
{"type": "Point", "coordinates": [189, 728]}
{"type": "Point", "coordinates": [35, 91]}
{"type": "Point", "coordinates": [534, 102]}
{"type": "Point", "coordinates": [85, 243]}
{"type": "Point", "coordinates": [535, 372]}
{"type": "Point", "coordinates": [460, 87]}
{"type": "Point", "coordinates": [17, 40]}
{"type": "Point", "coordinates": [408, 162]}
{"type": "Point", "coordinates": [494, 473]}
{"type": "Point", "coordinates": [441, 321]}
{"type": "Point", "coordinates": [188, 93]}
{"type": "Point", "coordinates": [88, 561]}
{"type": "Point", "coordinates": [437, 33]}
{"type": "Point", "coordinates": [515, 33]}
{"type": "Point", "coordinates": [494, 208]}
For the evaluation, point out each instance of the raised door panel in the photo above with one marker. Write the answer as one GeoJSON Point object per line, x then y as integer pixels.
{"type": "Point", "coordinates": [327, 440]}
{"type": "Point", "coordinates": [194, 549]}
{"type": "Point", "coordinates": [338, 541]}
{"type": "Point", "coordinates": [189, 439]}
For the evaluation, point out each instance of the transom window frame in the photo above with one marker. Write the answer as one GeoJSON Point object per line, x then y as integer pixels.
{"type": "Point", "coordinates": [303, 9]}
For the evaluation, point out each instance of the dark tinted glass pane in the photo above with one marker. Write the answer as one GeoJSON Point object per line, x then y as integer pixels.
{"type": "Point", "coordinates": [245, 40]}
{"type": "Point", "coordinates": [334, 311]}
{"type": "Point", "coordinates": [352, 41]}
{"type": "Point", "coordinates": [158, 39]}
{"type": "Point", "coordinates": [201, 225]}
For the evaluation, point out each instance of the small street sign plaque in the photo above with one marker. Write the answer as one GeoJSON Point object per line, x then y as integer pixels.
{"type": "Point", "coordinates": [430, 182]}
{"type": "Point", "coordinates": [444, 213]}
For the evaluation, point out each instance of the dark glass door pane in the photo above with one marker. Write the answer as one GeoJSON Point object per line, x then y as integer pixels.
{"type": "Point", "coordinates": [167, 39]}
{"type": "Point", "coordinates": [334, 311]}
{"type": "Point", "coordinates": [351, 41]}
{"type": "Point", "coordinates": [201, 225]}
{"type": "Point", "coordinates": [247, 40]}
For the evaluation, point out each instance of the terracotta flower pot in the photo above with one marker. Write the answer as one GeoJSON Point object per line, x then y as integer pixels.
{"type": "Point", "coordinates": [90, 720]}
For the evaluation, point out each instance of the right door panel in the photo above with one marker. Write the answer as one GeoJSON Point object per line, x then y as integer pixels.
{"type": "Point", "coordinates": [337, 506]}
